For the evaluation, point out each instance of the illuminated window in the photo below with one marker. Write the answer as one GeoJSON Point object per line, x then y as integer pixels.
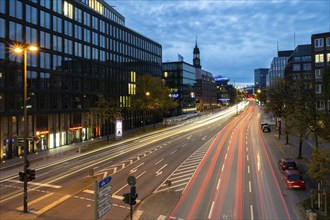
{"type": "Point", "coordinates": [133, 76]}
{"type": "Point", "coordinates": [68, 9]}
{"type": "Point", "coordinates": [319, 58]}
{"type": "Point", "coordinates": [165, 74]}
{"type": "Point", "coordinates": [131, 89]}
{"type": "Point", "coordinates": [328, 57]}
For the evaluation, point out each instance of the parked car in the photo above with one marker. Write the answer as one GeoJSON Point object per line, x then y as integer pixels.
{"type": "Point", "coordinates": [262, 125]}
{"type": "Point", "coordinates": [287, 164]}
{"type": "Point", "coordinates": [293, 179]}
{"type": "Point", "coordinates": [266, 128]}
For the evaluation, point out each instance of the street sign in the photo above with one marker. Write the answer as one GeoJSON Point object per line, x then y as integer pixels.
{"type": "Point", "coordinates": [104, 191]}
{"type": "Point", "coordinates": [104, 200]}
{"type": "Point", "coordinates": [105, 181]}
{"type": "Point", "coordinates": [104, 210]}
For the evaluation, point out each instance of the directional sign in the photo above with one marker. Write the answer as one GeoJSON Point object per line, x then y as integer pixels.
{"type": "Point", "coordinates": [104, 191]}
{"type": "Point", "coordinates": [104, 209]}
{"type": "Point", "coordinates": [104, 200]}
{"type": "Point", "coordinates": [105, 181]}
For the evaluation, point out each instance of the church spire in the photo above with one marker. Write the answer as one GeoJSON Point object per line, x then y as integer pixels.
{"type": "Point", "coordinates": [196, 60]}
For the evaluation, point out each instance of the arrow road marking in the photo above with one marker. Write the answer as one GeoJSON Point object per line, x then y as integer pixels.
{"type": "Point", "coordinates": [135, 168]}
{"type": "Point", "coordinates": [159, 172]}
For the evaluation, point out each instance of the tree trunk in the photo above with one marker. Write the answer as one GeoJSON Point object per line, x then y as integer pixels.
{"type": "Point", "coordinates": [319, 196]}
{"type": "Point", "coordinates": [300, 147]}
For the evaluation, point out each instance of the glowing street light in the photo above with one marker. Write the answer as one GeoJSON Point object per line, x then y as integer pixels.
{"type": "Point", "coordinates": [19, 50]}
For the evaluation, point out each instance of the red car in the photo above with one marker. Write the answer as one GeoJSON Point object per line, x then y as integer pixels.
{"type": "Point", "coordinates": [293, 179]}
{"type": "Point", "coordinates": [287, 164]}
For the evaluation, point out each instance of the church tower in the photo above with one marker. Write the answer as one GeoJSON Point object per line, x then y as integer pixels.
{"type": "Point", "coordinates": [196, 60]}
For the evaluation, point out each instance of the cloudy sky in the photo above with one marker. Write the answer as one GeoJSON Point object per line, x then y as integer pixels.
{"type": "Point", "coordinates": [234, 36]}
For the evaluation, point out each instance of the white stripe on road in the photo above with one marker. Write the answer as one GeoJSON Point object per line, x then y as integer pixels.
{"type": "Point", "coordinates": [37, 184]}
{"type": "Point", "coordinates": [211, 210]}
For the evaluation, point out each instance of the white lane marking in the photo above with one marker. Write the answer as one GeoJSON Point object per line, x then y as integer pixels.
{"type": "Point", "coordinates": [247, 157]}
{"type": "Point", "coordinates": [228, 148]}
{"type": "Point", "coordinates": [159, 161]}
{"type": "Point", "coordinates": [135, 168]}
{"type": "Point", "coordinates": [36, 200]}
{"type": "Point", "coordinates": [161, 217]}
{"type": "Point", "coordinates": [218, 185]}
{"type": "Point", "coordinates": [223, 166]}
{"type": "Point", "coordinates": [250, 186]}
{"type": "Point", "coordinates": [211, 210]}
{"type": "Point", "coordinates": [127, 184]}
{"type": "Point", "coordinates": [38, 184]}
{"type": "Point", "coordinates": [251, 209]}
{"type": "Point", "coordinates": [105, 174]}
{"type": "Point", "coordinates": [184, 145]}
{"type": "Point", "coordinates": [226, 156]}
{"type": "Point", "coordinates": [248, 169]}
{"type": "Point", "coordinates": [50, 206]}
{"type": "Point", "coordinates": [159, 172]}
{"type": "Point", "coordinates": [173, 152]}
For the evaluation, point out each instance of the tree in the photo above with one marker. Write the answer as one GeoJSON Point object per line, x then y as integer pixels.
{"type": "Point", "coordinates": [318, 168]}
{"type": "Point", "coordinates": [104, 113]}
{"type": "Point", "coordinates": [151, 96]}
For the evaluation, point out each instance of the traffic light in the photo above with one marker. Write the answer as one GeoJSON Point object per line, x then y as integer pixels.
{"type": "Point", "coordinates": [31, 175]}
{"type": "Point", "coordinates": [133, 195]}
{"type": "Point", "coordinates": [21, 176]}
{"type": "Point", "coordinates": [126, 198]}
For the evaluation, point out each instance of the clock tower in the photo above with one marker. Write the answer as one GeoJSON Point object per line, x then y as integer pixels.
{"type": "Point", "coordinates": [196, 60]}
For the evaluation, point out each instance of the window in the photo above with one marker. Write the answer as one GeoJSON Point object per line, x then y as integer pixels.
{"type": "Point", "coordinates": [44, 19]}
{"type": "Point", "coordinates": [2, 54]}
{"type": "Point", "coordinates": [87, 19]}
{"type": "Point", "coordinates": [3, 7]}
{"type": "Point", "coordinates": [68, 45]}
{"type": "Point", "coordinates": [31, 14]}
{"type": "Point", "coordinates": [307, 66]}
{"type": "Point", "coordinates": [2, 27]}
{"type": "Point", "coordinates": [87, 35]}
{"type": "Point", "coordinates": [31, 35]}
{"type": "Point", "coordinates": [57, 6]}
{"type": "Point", "coordinates": [95, 21]}
{"type": "Point", "coordinates": [319, 58]}
{"type": "Point", "coordinates": [95, 54]}
{"type": "Point", "coordinates": [45, 3]}
{"type": "Point", "coordinates": [78, 49]}
{"type": "Point", "coordinates": [296, 67]}
{"type": "Point", "coordinates": [57, 24]}
{"type": "Point", "coordinates": [45, 40]}
{"type": "Point", "coordinates": [318, 88]}
{"type": "Point", "coordinates": [68, 9]}
{"type": "Point", "coordinates": [320, 105]}
{"type": "Point", "coordinates": [68, 28]}
{"type": "Point", "coordinates": [327, 41]}
{"type": "Point", "coordinates": [57, 43]}
{"type": "Point", "coordinates": [78, 15]}
{"type": "Point", "coordinates": [78, 32]}
{"type": "Point", "coordinates": [328, 57]}
{"type": "Point", "coordinates": [318, 43]}
{"type": "Point", "coordinates": [57, 62]}
{"type": "Point", "coordinates": [15, 9]}
{"type": "Point", "coordinates": [318, 73]}
{"type": "Point", "coordinates": [45, 60]}
{"type": "Point", "coordinates": [87, 52]}
{"type": "Point", "coordinates": [15, 31]}
{"type": "Point", "coordinates": [328, 104]}
{"type": "Point", "coordinates": [95, 38]}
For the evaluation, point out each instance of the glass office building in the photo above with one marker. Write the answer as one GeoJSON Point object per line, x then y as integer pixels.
{"type": "Point", "coordinates": [85, 50]}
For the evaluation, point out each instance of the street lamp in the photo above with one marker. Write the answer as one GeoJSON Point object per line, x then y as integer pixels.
{"type": "Point", "coordinates": [19, 50]}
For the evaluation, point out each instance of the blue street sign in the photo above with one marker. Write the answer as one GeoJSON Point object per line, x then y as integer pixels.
{"type": "Point", "coordinates": [105, 181]}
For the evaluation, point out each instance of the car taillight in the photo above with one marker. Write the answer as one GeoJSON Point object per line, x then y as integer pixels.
{"type": "Point", "coordinates": [290, 181]}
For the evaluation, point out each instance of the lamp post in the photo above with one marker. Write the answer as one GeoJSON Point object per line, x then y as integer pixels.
{"type": "Point", "coordinates": [23, 50]}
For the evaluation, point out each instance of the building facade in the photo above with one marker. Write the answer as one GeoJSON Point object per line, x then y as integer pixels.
{"type": "Point", "coordinates": [260, 78]}
{"type": "Point", "coordinates": [222, 90]}
{"type": "Point", "coordinates": [277, 66]}
{"type": "Point", "coordinates": [320, 60]}
{"type": "Point", "coordinates": [85, 51]}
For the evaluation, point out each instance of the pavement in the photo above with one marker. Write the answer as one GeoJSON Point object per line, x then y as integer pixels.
{"type": "Point", "coordinates": [158, 205]}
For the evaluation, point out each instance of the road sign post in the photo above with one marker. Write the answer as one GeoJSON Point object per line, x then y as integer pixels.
{"type": "Point", "coordinates": [102, 197]}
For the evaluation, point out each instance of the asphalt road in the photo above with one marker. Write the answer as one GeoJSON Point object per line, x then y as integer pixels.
{"type": "Point", "coordinates": [238, 178]}
{"type": "Point", "coordinates": [65, 190]}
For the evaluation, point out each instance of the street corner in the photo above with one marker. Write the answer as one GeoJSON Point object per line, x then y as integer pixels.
{"type": "Point", "coordinates": [157, 206]}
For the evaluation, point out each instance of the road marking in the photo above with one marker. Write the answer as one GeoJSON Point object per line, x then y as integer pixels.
{"type": "Point", "coordinates": [36, 200]}
{"type": "Point", "coordinates": [138, 214]}
{"type": "Point", "coordinates": [161, 217]}
{"type": "Point", "coordinates": [218, 185]}
{"type": "Point", "coordinates": [159, 172]}
{"type": "Point", "coordinates": [184, 145]}
{"type": "Point", "coordinates": [173, 152]}
{"type": "Point", "coordinates": [45, 209]}
{"type": "Point", "coordinates": [38, 184]}
{"type": "Point", "coordinates": [135, 168]}
{"type": "Point", "coordinates": [211, 210]}
{"type": "Point", "coordinates": [159, 161]}
{"type": "Point", "coordinates": [223, 166]}
{"type": "Point", "coordinates": [250, 186]}
{"type": "Point", "coordinates": [247, 157]}
{"type": "Point", "coordinates": [226, 156]}
{"type": "Point", "coordinates": [251, 209]}
{"type": "Point", "coordinates": [248, 169]}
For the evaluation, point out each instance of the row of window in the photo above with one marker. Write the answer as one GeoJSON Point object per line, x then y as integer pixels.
{"type": "Point", "coordinates": [319, 58]}
{"type": "Point", "coordinates": [319, 42]}
{"type": "Point", "coordinates": [320, 104]}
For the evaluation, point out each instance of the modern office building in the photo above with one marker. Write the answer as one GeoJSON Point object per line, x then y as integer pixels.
{"type": "Point", "coordinates": [320, 55]}
{"type": "Point", "coordinates": [277, 66]}
{"type": "Point", "coordinates": [222, 90]}
{"type": "Point", "coordinates": [180, 77]}
{"type": "Point", "coordinates": [260, 78]}
{"type": "Point", "coordinates": [85, 50]}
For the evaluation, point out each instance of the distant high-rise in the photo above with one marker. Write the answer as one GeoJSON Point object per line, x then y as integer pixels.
{"type": "Point", "coordinates": [277, 66]}
{"type": "Point", "coordinates": [260, 78]}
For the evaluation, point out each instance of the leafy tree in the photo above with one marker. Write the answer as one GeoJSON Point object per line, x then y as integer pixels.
{"type": "Point", "coordinates": [103, 113]}
{"type": "Point", "coordinates": [151, 96]}
{"type": "Point", "coordinates": [319, 168]}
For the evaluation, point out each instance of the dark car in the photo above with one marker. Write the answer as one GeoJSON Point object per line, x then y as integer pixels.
{"type": "Point", "coordinates": [287, 164]}
{"type": "Point", "coordinates": [293, 179]}
{"type": "Point", "coordinates": [266, 128]}
{"type": "Point", "coordinates": [262, 125]}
